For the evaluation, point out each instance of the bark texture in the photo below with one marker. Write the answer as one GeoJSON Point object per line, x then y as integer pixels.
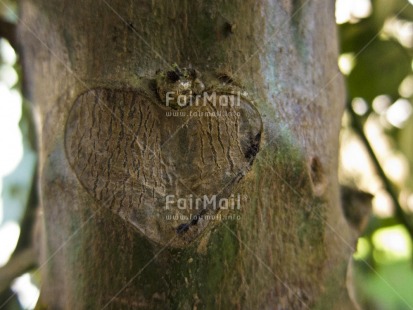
{"type": "Point", "coordinates": [286, 247]}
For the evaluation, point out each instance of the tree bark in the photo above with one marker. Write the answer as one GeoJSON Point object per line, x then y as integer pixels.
{"type": "Point", "coordinates": [288, 245]}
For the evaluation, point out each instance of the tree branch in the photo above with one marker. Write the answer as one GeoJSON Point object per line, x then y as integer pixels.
{"type": "Point", "coordinates": [17, 265]}
{"type": "Point", "coordinates": [29, 217]}
{"type": "Point", "coordinates": [400, 214]}
{"type": "Point", "coordinates": [8, 31]}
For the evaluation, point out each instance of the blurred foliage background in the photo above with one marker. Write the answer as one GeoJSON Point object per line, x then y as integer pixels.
{"type": "Point", "coordinates": [376, 58]}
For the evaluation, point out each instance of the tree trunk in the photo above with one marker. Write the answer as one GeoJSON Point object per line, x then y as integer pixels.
{"type": "Point", "coordinates": [91, 68]}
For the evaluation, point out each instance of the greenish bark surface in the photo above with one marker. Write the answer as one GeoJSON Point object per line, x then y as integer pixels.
{"type": "Point", "coordinates": [288, 245]}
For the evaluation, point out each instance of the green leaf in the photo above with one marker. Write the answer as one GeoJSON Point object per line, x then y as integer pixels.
{"type": "Point", "coordinates": [379, 69]}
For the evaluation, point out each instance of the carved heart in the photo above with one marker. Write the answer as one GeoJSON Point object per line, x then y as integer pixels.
{"type": "Point", "coordinates": [129, 153]}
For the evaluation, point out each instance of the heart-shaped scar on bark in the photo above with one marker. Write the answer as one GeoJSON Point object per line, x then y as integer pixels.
{"type": "Point", "coordinates": [161, 170]}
